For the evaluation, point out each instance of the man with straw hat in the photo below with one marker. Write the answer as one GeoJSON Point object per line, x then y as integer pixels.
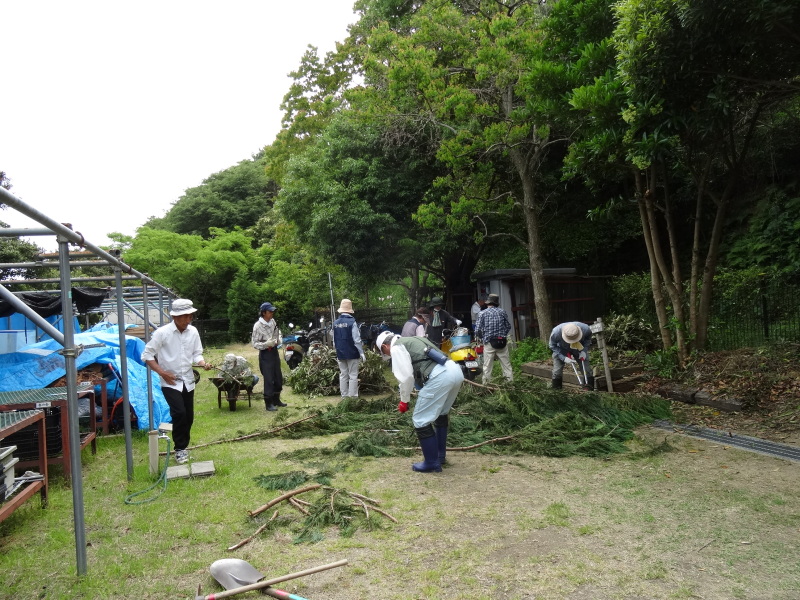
{"type": "Point", "coordinates": [349, 350]}
{"type": "Point", "coordinates": [570, 343]}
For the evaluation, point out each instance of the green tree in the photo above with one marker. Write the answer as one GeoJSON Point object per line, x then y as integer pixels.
{"type": "Point", "coordinates": [199, 269]}
{"type": "Point", "coordinates": [352, 197]}
{"type": "Point", "coordinates": [236, 197]}
{"type": "Point", "coordinates": [468, 70]}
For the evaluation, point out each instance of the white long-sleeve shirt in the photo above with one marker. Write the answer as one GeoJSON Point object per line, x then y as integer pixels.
{"type": "Point", "coordinates": [402, 369]}
{"type": "Point", "coordinates": [175, 352]}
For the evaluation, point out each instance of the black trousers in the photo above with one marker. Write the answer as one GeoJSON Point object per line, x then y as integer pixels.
{"type": "Point", "coordinates": [269, 363]}
{"type": "Point", "coordinates": [181, 408]}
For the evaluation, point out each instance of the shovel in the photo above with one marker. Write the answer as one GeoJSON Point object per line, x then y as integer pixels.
{"type": "Point", "coordinates": [234, 571]}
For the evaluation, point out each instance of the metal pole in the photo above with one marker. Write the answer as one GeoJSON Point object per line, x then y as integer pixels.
{"type": "Point", "coordinates": [126, 405]}
{"type": "Point", "coordinates": [333, 302]}
{"type": "Point", "coordinates": [72, 406]}
{"type": "Point", "coordinates": [36, 319]}
{"type": "Point", "coordinates": [75, 237]}
{"type": "Point", "coordinates": [149, 372]}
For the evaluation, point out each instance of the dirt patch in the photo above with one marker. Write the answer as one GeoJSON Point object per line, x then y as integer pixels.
{"type": "Point", "coordinates": [765, 381]}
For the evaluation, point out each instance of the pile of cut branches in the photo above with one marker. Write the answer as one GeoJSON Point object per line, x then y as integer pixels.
{"type": "Point", "coordinates": [522, 416]}
{"type": "Point", "coordinates": [322, 507]}
{"type": "Point", "coordinates": [318, 375]}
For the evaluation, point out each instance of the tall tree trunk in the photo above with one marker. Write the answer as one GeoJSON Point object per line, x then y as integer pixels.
{"type": "Point", "coordinates": [530, 210]}
{"type": "Point", "coordinates": [670, 275]}
{"type": "Point", "coordinates": [655, 277]}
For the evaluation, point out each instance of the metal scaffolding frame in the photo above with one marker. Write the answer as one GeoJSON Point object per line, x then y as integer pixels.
{"type": "Point", "coordinates": [66, 236]}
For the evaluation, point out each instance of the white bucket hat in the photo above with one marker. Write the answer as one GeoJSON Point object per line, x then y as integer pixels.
{"type": "Point", "coordinates": [346, 306]}
{"type": "Point", "coordinates": [182, 306]}
{"type": "Point", "coordinates": [571, 333]}
{"type": "Point", "coordinates": [382, 337]}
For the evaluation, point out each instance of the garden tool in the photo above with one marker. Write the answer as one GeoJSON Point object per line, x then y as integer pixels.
{"type": "Point", "coordinates": [585, 375]}
{"type": "Point", "coordinates": [234, 571]}
{"type": "Point", "coordinates": [574, 368]}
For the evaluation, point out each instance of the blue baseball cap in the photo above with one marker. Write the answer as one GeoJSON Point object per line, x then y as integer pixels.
{"type": "Point", "coordinates": [266, 306]}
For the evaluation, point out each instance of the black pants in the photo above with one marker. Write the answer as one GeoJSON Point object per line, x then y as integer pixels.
{"type": "Point", "coordinates": [269, 363]}
{"type": "Point", "coordinates": [181, 408]}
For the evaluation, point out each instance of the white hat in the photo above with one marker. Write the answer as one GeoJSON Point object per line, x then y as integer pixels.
{"type": "Point", "coordinates": [182, 306]}
{"type": "Point", "coordinates": [382, 339]}
{"type": "Point", "coordinates": [346, 306]}
{"type": "Point", "coordinates": [571, 333]}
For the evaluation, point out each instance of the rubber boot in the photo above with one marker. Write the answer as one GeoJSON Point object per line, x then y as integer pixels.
{"type": "Point", "coordinates": [269, 402]}
{"type": "Point", "coordinates": [555, 383]}
{"type": "Point", "coordinates": [276, 400]}
{"type": "Point", "coordinates": [442, 425]}
{"type": "Point", "coordinates": [430, 450]}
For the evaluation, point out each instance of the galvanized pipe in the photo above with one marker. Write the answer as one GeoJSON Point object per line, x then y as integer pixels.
{"type": "Point", "coordinates": [70, 354]}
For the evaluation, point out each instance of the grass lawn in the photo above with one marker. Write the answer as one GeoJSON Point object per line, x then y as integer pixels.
{"type": "Point", "coordinates": [695, 521]}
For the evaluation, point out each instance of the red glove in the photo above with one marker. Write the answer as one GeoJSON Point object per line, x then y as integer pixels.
{"type": "Point", "coordinates": [402, 407]}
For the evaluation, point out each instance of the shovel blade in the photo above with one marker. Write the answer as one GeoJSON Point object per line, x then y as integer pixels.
{"type": "Point", "coordinates": [234, 572]}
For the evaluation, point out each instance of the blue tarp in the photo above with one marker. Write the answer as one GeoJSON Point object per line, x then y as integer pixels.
{"type": "Point", "coordinates": [17, 330]}
{"type": "Point", "coordinates": [37, 365]}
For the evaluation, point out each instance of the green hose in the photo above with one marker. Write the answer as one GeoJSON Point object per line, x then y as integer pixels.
{"type": "Point", "coordinates": [161, 478]}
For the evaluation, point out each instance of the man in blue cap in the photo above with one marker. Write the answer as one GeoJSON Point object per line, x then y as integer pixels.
{"type": "Point", "coordinates": [266, 339]}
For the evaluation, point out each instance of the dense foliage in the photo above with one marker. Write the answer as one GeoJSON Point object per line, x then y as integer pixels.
{"type": "Point", "coordinates": [441, 136]}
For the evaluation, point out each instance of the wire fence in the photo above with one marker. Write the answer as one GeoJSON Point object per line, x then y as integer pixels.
{"type": "Point", "coordinates": [762, 312]}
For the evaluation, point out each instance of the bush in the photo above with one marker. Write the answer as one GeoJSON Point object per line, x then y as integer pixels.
{"type": "Point", "coordinates": [528, 350]}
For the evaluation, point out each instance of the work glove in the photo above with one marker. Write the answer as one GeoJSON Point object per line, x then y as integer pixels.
{"type": "Point", "coordinates": [402, 407]}
{"type": "Point", "coordinates": [363, 358]}
{"type": "Point", "coordinates": [458, 322]}
{"type": "Point", "coordinates": [582, 355]}
{"type": "Point", "coordinates": [271, 343]}
{"type": "Point", "coordinates": [569, 360]}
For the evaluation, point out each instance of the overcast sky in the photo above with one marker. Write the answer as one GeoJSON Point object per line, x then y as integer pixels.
{"type": "Point", "coordinates": [112, 109]}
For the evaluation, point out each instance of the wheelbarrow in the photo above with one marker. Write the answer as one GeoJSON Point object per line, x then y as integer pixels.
{"type": "Point", "coordinates": [231, 388]}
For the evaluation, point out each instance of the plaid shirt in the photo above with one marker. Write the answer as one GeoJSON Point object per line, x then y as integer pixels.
{"type": "Point", "coordinates": [492, 322]}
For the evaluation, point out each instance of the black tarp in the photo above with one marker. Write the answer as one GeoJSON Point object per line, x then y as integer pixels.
{"type": "Point", "coordinates": [47, 305]}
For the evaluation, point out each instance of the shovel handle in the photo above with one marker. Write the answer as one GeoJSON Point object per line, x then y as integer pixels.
{"type": "Point", "coordinates": [282, 595]}
{"type": "Point", "coordinates": [264, 584]}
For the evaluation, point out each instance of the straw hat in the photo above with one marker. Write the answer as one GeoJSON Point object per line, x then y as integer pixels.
{"type": "Point", "coordinates": [571, 333]}
{"type": "Point", "coordinates": [346, 306]}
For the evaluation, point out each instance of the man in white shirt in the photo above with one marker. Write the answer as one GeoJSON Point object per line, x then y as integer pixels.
{"type": "Point", "coordinates": [476, 309]}
{"type": "Point", "coordinates": [170, 353]}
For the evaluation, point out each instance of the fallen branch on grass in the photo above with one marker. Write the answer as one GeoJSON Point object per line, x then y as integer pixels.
{"type": "Point", "coordinates": [257, 531]}
{"type": "Point", "coordinates": [250, 436]}
{"type": "Point", "coordinates": [285, 496]}
{"type": "Point", "coordinates": [464, 448]}
{"type": "Point", "coordinates": [492, 388]}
